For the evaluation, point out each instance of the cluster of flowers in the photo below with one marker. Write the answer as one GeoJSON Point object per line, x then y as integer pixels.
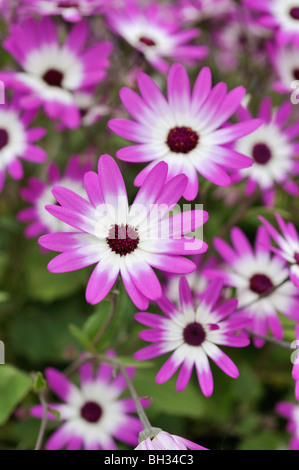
{"type": "Point", "coordinates": [186, 135]}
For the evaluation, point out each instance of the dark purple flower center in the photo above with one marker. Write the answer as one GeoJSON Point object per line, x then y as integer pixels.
{"type": "Point", "coordinates": [261, 154]}
{"type": "Point", "coordinates": [182, 139]}
{"type": "Point", "coordinates": [91, 412]}
{"type": "Point", "coordinates": [4, 138]}
{"type": "Point", "coordinates": [259, 283]}
{"type": "Point", "coordinates": [297, 258]}
{"type": "Point", "coordinates": [296, 74]}
{"type": "Point", "coordinates": [67, 4]}
{"type": "Point", "coordinates": [194, 334]}
{"type": "Point", "coordinates": [243, 39]}
{"type": "Point", "coordinates": [53, 77]}
{"type": "Point", "coordinates": [123, 239]}
{"type": "Point", "coordinates": [147, 41]}
{"type": "Point", "coordinates": [294, 13]}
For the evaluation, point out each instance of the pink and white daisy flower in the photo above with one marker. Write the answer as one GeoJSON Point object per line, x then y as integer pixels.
{"type": "Point", "coordinates": [190, 132]}
{"type": "Point", "coordinates": [193, 11]}
{"type": "Point", "coordinates": [291, 412]}
{"type": "Point", "coordinates": [261, 282]}
{"type": "Point", "coordinates": [124, 240]}
{"type": "Point", "coordinates": [39, 194]}
{"type": "Point", "coordinates": [153, 30]}
{"type": "Point", "coordinates": [197, 280]}
{"type": "Point", "coordinates": [17, 140]}
{"type": "Point", "coordinates": [70, 10]}
{"type": "Point", "coordinates": [91, 108]}
{"type": "Point", "coordinates": [282, 16]}
{"type": "Point", "coordinates": [286, 64]}
{"type": "Point", "coordinates": [239, 35]}
{"type": "Point", "coordinates": [288, 245]}
{"type": "Point", "coordinates": [273, 151]}
{"type": "Point", "coordinates": [165, 441]}
{"type": "Point", "coordinates": [53, 72]}
{"type": "Point", "coordinates": [93, 414]}
{"type": "Point", "coordinates": [192, 335]}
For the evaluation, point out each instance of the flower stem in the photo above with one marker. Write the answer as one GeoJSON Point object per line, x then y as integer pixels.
{"type": "Point", "coordinates": [44, 421]}
{"type": "Point", "coordinates": [269, 339]}
{"type": "Point", "coordinates": [262, 296]}
{"type": "Point", "coordinates": [112, 313]}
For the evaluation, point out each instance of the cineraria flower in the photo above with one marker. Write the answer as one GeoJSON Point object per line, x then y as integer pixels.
{"type": "Point", "coordinates": [6, 9]}
{"type": "Point", "coordinates": [186, 131]}
{"type": "Point", "coordinates": [193, 334]}
{"type": "Point", "coordinates": [154, 32]}
{"type": "Point", "coordinates": [53, 72]}
{"type": "Point", "coordinates": [91, 109]}
{"type": "Point", "coordinates": [283, 16]}
{"type": "Point", "coordinates": [197, 10]}
{"type": "Point", "coordinates": [124, 240]}
{"type": "Point", "coordinates": [39, 194]}
{"type": "Point", "coordinates": [291, 412]}
{"type": "Point", "coordinates": [197, 280]}
{"type": "Point", "coordinates": [94, 414]}
{"type": "Point", "coordinates": [286, 64]}
{"type": "Point", "coordinates": [239, 35]}
{"type": "Point", "coordinates": [17, 140]}
{"type": "Point", "coordinates": [261, 281]}
{"type": "Point", "coordinates": [273, 151]}
{"type": "Point", "coordinates": [70, 10]}
{"type": "Point", "coordinates": [288, 245]}
{"type": "Point", "coordinates": [165, 441]}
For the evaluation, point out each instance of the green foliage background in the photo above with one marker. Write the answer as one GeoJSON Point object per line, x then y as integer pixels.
{"type": "Point", "coordinates": [45, 320]}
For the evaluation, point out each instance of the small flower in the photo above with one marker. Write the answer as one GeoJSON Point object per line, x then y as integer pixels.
{"type": "Point", "coordinates": [261, 282]}
{"type": "Point", "coordinates": [189, 132]}
{"type": "Point", "coordinates": [124, 240]}
{"type": "Point", "coordinates": [193, 11]}
{"type": "Point", "coordinates": [165, 441]}
{"type": "Point", "coordinates": [291, 412]}
{"type": "Point", "coordinates": [197, 280]}
{"type": "Point", "coordinates": [53, 72]}
{"type": "Point", "coordinates": [154, 30]}
{"type": "Point", "coordinates": [288, 244]}
{"type": "Point", "coordinates": [273, 151]}
{"type": "Point", "coordinates": [70, 10]}
{"type": "Point", "coordinates": [280, 16]}
{"type": "Point", "coordinates": [285, 61]}
{"type": "Point", "coordinates": [17, 140]}
{"type": "Point", "coordinates": [39, 194]}
{"type": "Point", "coordinates": [93, 414]}
{"type": "Point", "coordinates": [193, 334]}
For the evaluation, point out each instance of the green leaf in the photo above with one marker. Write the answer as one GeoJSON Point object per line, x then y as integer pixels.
{"type": "Point", "coordinates": [40, 332]}
{"type": "Point", "coordinates": [81, 336]}
{"type": "Point", "coordinates": [165, 398]}
{"type": "Point", "coordinates": [4, 296]}
{"type": "Point", "coordinates": [95, 322]}
{"type": "Point", "coordinates": [265, 440]}
{"type": "Point", "coordinates": [46, 286]}
{"type": "Point", "coordinates": [39, 382]}
{"type": "Point", "coordinates": [14, 386]}
{"type": "Point", "coordinates": [54, 413]}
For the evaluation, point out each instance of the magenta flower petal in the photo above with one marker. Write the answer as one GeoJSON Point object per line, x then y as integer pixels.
{"type": "Point", "coordinates": [60, 385]}
{"type": "Point", "coordinates": [130, 241]}
{"type": "Point", "coordinates": [191, 335]}
{"type": "Point", "coordinates": [189, 131]}
{"type": "Point", "coordinates": [101, 280]}
{"type": "Point", "coordinates": [95, 414]}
